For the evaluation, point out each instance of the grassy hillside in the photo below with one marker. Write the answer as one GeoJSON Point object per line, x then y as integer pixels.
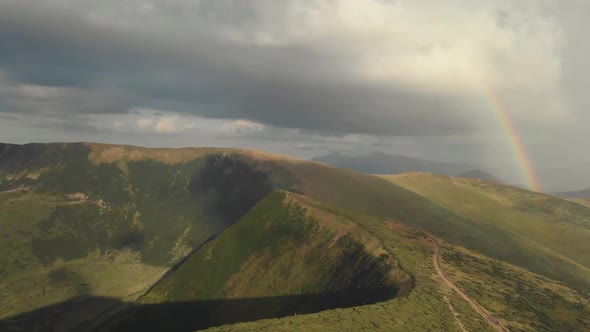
{"type": "Point", "coordinates": [28, 282]}
{"type": "Point", "coordinates": [166, 202]}
{"type": "Point", "coordinates": [284, 257]}
{"type": "Point", "coordinates": [76, 206]}
{"type": "Point", "coordinates": [270, 260]}
{"type": "Point", "coordinates": [521, 300]}
{"type": "Point", "coordinates": [384, 163]}
{"type": "Point", "coordinates": [547, 235]}
{"type": "Point", "coordinates": [582, 201]}
{"type": "Point", "coordinates": [67, 207]}
{"type": "Point", "coordinates": [290, 253]}
{"type": "Point", "coordinates": [290, 249]}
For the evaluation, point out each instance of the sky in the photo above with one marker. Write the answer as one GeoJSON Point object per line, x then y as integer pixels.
{"type": "Point", "coordinates": [306, 77]}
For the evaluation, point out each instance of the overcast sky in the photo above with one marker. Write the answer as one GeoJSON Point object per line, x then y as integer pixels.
{"type": "Point", "coordinates": [305, 77]}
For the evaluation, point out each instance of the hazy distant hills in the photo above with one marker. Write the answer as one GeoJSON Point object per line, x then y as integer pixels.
{"type": "Point", "coordinates": [584, 193]}
{"type": "Point", "coordinates": [383, 163]}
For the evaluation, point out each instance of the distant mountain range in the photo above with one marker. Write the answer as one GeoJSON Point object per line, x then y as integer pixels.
{"type": "Point", "coordinates": [584, 193]}
{"type": "Point", "coordinates": [383, 163]}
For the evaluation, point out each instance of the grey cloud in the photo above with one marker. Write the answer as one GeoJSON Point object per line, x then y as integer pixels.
{"type": "Point", "coordinates": [288, 86]}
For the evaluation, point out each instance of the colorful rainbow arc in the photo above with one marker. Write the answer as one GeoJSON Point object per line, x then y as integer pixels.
{"type": "Point", "coordinates": [507, 125]}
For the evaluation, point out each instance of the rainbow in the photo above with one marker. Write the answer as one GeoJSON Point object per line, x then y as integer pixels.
{"type": "Point", "coordinates": [520, 153]}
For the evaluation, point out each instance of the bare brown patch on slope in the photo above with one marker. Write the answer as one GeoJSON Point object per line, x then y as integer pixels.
{"type": "Point", "coordinates": [106, 153]}
{"type": "Point", "coordinates": [109, 153]}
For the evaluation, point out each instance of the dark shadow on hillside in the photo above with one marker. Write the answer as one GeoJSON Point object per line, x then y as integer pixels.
{"type": "Point", "coordinates": [236, 186]}
{"type": "Point", "coordinates": [71, 315]}
{"type": "Point", "coordinates": [185, 316]}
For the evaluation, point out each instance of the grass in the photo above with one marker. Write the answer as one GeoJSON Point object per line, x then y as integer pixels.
{"type": "Point", "coordinates": [145, 186]}
{"type": "Point", "coordinates": [286, 251]}
{"type": "Point", "coordinates": [118, 275]}
{"type": "Point", "coordinates": [274, 250]}
{"type": "Point", "coordinates": [26, 283]}
{"type": "Point", "coordinates": [523, 301]}
{"type": "Point", "coordinates": [58, 207]}
{"type": "Point", "coordinates": [542, 233]}
{"type": "Point", "coordinates": [145, 209]}
{"type": "Point", "coordinates": [19, 213]}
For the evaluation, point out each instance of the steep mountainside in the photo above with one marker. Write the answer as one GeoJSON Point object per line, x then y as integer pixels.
{"type": "Point", "coordinates": [383, 163]}
{"type": "Point", "coordinates": [292, 254]}
{"type": "Point", "coordinates": [283, 258]}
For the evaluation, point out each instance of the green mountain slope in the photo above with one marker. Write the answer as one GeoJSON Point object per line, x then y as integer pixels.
{"type": "Point", "coordinates": [289, 247]}
{"type": "Point", "coordinates": [166, 202]}
{"type": "Point", "coordinates": [288, 250]}
{"type": "Point", "coordinates": [293, 257]}
{"type": "Point", "coordinates": [384, 163]}
{"type": "Point", "coordinates": [549, 235]}
{"type": "Point", "coordinates": [123, 215]}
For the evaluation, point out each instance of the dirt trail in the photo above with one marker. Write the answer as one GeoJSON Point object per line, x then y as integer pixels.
{"type": "Point", "coordinates": [13, 190]}
{"type": "Point", "coordinates": [436, 260]}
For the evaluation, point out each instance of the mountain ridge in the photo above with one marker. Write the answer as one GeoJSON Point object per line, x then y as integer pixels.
{"type": "Point", "coordinates": [384, 163]}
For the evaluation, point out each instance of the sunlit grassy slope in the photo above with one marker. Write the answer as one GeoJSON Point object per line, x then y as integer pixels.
{"type": "Point", "coordinates": [272, 252]}
{"type": "Point", "coordinates": [26, 283]}
{"type": "Point", "coordinates": [75, 223]}
{"type": "Point", "coordinates": [548, 235]}
{"type": "Point", "coordinates": [285, 257]}
{"type": "Point", "coordinates": [283, 246]}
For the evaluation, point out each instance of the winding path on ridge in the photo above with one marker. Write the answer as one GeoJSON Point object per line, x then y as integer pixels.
{"type": "Point", "coordinates": [436, 260]}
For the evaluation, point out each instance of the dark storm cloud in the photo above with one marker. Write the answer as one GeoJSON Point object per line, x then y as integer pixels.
{"type": "Point", "coordinates": [113, 69]}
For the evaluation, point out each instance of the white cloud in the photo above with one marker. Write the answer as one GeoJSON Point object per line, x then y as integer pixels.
{"type": "Point", "coordinates": [167, 124]}
{"type": "Point", "coordinates": [145, 123]}
{"type": "Point", "coordinates": [159, 121]}
{"type": "Point", "coordinates": [242, 127]}
{"type": "Point", "coordinates": [454, 47]}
